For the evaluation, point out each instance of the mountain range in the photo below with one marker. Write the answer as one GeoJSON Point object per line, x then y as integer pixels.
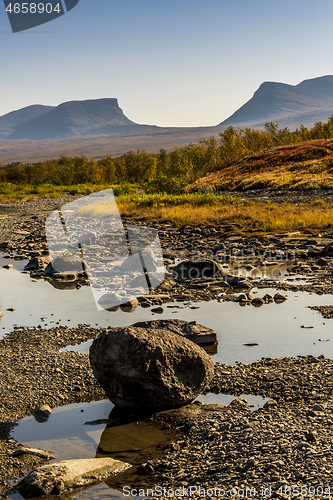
{"type": "Point", "coordinates": [99, 126]}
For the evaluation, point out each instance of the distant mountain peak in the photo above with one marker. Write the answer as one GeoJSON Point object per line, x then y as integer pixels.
{"type": "Point", "coordinates": [289, 105]}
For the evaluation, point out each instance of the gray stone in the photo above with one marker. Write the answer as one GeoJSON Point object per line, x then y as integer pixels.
{"type": "Point", "coordinates": [140, 367]}
{"type": "Point", "coordinates": [54, 479]}
{"type": "Point", "coordinates": [192, 330]}
{"type": "Point", "coordinates": [69, 261]}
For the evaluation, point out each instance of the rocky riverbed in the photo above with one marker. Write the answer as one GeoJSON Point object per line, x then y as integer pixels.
{"type": "Point", "coordinates": [287, 443]}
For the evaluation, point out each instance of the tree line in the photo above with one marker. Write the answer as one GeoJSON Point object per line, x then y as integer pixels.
{"type": "Point", "coordinates": [163, 172]}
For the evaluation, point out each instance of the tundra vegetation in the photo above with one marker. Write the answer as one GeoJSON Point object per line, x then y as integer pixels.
{"type": "Point", "coordinates": [183, 186]}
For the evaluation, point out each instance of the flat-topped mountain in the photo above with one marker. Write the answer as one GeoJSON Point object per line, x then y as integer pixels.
{"type": "Point", "coordinates": [91, 119]}
{"type": "Point", "coordinates": [73, 119]}
{"type": "Point", "coordinates": [288, 105]}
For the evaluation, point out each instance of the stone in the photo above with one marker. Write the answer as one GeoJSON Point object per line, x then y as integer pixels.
{"type": "Point", "coordinates": [268, 298]}
{"type": "Point", "coordinates": [1, 314]}
{"type": "Point", "coordinates": [157, 310]}
{"type": "Point", "coordinates": [303, 444]}
{"type": "Point", "coordinates": [279, 297]}
{"type": "Point", "coordinates": [37, 263]}
{"type": "Point", "coordinates": [69, 261]}
{"type": "Point", "coordinates": [8, 266]}
{"type": "Point", "coordinates": [327, 251]}
{"type": "Point", "coordinates": [192, 330]}
{"type": "Point", "coordinates": [239, 403]}
{"type": "Point", "coordinates": [112, 301]}
{"type": "Point", "coordinates": [54, 479]}
{"type": "Point", "coordinates": [322, 262]}
{"type": "Point", "coordinates": [258, 302]}
{"type": "Point", "coordinates": [130, 305]}
{"type": "Point", "coordinates": [192, 270]}
{"type": "Point", "coordinates": [271, 403]}
{"type": "Point", "coordinates": [245, 297]}
{"type": "Point", "coordinates": [42, 414]}
{"type": "Point", "coordinates": [140, 367]}
{"type": "Point", "coordinates": [32, 451]}
{"type": "Point", "coordinates": [238, 281]}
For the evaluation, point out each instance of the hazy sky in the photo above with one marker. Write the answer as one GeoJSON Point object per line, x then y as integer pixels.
{"type": "Point", "coordinates": [175, 62]}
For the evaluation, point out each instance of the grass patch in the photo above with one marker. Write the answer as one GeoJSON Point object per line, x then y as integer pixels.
{"type": "Point", "coordinates": [10, 192]}
{"type": "Point", "coordinates": [221, 211]}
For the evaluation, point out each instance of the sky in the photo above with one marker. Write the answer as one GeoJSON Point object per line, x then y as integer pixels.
{"type": "Point", "coordinates": [169, 63]}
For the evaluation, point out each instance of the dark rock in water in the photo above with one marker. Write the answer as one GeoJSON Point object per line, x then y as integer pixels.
{"type": "Point", "coordinates": [189, 269]}
{"type": "Point", "coordinates": [54, 479]}
{"type": "Point", "coordinates": [157, 310]}
{"type": "Point", "coordinates": [280, 297]}
{"type": "Point", "coordinates": [8, 266]}
{"type": "Point", "coordinates": [140, 367]}
{"type": "Point", "coordinates": [199, 334]}
{"type": "Point", "coordinates": [43, 414]}
{"type": "Point", "coordinates": [258, 302]}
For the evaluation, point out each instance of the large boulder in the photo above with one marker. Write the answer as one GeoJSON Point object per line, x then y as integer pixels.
{"type": "Point", "coordinates": [150, 368]}
{"type": "Point", "coordinates": [54, 479]}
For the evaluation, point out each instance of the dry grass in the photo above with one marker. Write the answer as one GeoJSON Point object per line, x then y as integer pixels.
{"type": "Point", "coordinates": [226, 213]}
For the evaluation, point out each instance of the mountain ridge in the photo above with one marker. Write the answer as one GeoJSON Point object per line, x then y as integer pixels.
{"type": "Point", "coordinates": [102, 120]}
